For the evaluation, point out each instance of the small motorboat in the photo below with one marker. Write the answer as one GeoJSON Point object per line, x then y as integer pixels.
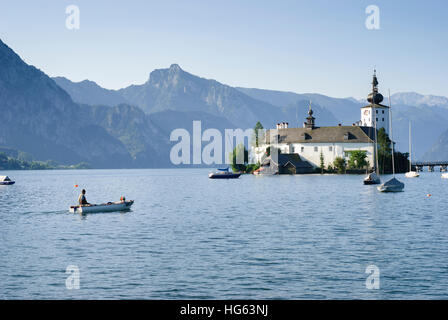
{"type": "Point", "coordinates": [412, 174]}
{"type": "Point", "coordinates": [105, 207]}
{"type": "Point", "coordinates": [223, 174]}
{"type": "Point", "coordinates": [6, 181]}
{"type": "Point", "coordinates": [393, 185]}
{"type": "Point", "coordinates": [372, 178]}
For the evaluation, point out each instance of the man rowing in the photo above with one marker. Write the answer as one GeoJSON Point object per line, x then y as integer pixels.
{"type": "Point", "coordinates": [82, 198]}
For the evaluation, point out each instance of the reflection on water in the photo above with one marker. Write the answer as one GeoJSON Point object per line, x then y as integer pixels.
{"type": "Point", "coordinates": [186, 236]}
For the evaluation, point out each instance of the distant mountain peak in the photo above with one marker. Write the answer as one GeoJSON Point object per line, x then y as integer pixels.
{"type": "Point", "coordinates": [417, 99]}
{"type": "Point", "coordinates": [175, 67]}
{"type": "Point", "coordinates": [87, 81]}
{"type": "Point", "coordinates": [166, 77]}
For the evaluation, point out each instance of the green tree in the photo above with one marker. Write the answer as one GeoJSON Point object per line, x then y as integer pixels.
{"type": "Point", "coordinates": [384, 142]}
{"type": "Point", "coordinates": [258, 134]}
{"type": "Point", "coordinates": [357, 159]}
{"type": "Point", "coordinates": [384, 152]}
{"type": "Point", "coordinates": [340, 164]}
{"type": "Point", "coordinates": [250, 168]}
{"type": "Point", "coordinates": [385, 155]}
{"type": "Point", "coordinates": [239, 158]}
{"type": "Point", "coordinates": [322, 162]}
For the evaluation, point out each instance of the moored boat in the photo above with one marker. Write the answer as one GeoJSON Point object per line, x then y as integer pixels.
{"type": "Point", "coordinates": [224, 174]}
{"type": "Point", "coordinates": [6, 181]}
{"type": "Point", "coordinates": [445, 175]}
{"type": "Point", "coordinates": [372, 178]}
{"type": "Point", "coordinates": [393, 185]}
{"type": "Point", "coordinates": [105, 207]}
{"type": "Point", "coordinates": [412, 174]}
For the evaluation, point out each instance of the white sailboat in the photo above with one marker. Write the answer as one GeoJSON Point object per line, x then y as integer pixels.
{"type": "Point", "coordinates": [411, 174]}
{"type": "Point", "coordinates": [393, 185]}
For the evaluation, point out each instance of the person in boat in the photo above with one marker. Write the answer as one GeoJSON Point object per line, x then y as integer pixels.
{"type": "Point", "coordinates": [82, 198]}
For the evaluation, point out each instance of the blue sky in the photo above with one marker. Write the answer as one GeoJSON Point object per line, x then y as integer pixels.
{"type": "Point", "coordinates": [301, 46]}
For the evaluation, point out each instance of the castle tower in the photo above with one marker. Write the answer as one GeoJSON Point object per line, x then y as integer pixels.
{"type": "Point", "coordinates": [310, 119]}
{"type": "Point", "coordinates": [375, 111]}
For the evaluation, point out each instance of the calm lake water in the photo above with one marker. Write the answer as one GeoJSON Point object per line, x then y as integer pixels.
{"type": "Point", "coordinates": [189, 237]}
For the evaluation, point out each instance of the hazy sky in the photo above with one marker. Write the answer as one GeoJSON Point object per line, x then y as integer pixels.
{"type": "Point", "coordinates": [301, 46]}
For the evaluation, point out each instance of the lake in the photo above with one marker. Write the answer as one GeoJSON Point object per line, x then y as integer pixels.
{"type": "Point", "coordinates": [190, 237]}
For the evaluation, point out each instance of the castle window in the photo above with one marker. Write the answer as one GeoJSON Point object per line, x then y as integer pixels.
{"type": "Point", "coordinates": [330, 148]}
{"type": "Point", "coordinates": [383, 119]}
{"type": "Point", "coordinates": [305, 136]}
{"type": "Point", "coordinates": [376, 119]}
{"type": "Point", "coordinates": [383, 111]}
{"type": "Point", "coordinates": [315, 149]}
{"type": "Point", "coordinates": [376, 111]}
{"type": "Point", "coordinates": [302, 149]}
{"type": "Point", "coordinates": [281, 138]}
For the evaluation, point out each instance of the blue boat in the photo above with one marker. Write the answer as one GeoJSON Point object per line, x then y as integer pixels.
{"type": "Point", "coordinates": [223, 174]}
{"type": "Point", "coordinates": [5, 181]}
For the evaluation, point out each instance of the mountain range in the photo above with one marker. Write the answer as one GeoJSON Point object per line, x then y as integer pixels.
{"type": "Point", "coordinates": [39, 118]}
{"type": "Point", "coordinates": [71, 122]}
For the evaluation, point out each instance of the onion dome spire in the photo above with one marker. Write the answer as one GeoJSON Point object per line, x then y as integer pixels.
{"type": "Point", "coordinates": [375, 97]}
{"type": "Point", "coordinates": [310, 119]}
{"type": "Point", "coordinates": [310, 111]}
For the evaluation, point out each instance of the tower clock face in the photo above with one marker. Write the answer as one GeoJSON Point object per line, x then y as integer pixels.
{"type": "Point", "coordinates": [366, 112]}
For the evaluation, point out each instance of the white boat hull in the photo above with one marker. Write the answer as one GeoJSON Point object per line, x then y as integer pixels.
{"type": "Point", "coordinates": [383, 188]}
{"type": "Point", "coordinates": [6, 183]}
{"type": "Point", "coordinates": [105, 207]}
{"type": "Point", "coordinates": [445, 175]}
{"type": "Point", "coordinates": [412, 174]}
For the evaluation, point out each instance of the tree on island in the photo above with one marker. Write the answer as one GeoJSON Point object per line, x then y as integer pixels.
{"type": "Point", "coordinates": [258, 134]}
{"type": "Point", "coordinates": [385, 155]}
{"type": "Point", "coordinates": [340, 164]}
{"type": "Point", "coordinates": [322, 162]}
{"type": "Point", "coordinates": [357, 159]}
{"type": "Point", "coordinates": [239, 160]}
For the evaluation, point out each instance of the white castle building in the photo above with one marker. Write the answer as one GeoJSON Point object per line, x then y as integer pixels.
{"type": "Point", "coordinates": [302, 147]}
{"type": "Point", "coordinates": [375, 111]}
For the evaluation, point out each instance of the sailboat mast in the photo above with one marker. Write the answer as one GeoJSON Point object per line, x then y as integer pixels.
{"type": "Point", "coordinates": [376, 151]}
{"type": "Point", "coordinates": [410, 147]}
{"type": "Point", "coordinates": [391, 136]}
